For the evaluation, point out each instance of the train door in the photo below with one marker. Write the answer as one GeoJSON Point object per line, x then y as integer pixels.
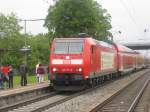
{"type": "Point", "coordinates": [94, 58]}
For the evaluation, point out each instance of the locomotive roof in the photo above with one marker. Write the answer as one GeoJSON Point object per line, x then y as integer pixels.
{"type": "Point", "coordinates": [119, 47]}
{"type": "Point", "coordinates": [122, 48]}
{"type": "Point", "coordinates": [69, 39]}
{"type": "Point", "coordinates": [90, 40]}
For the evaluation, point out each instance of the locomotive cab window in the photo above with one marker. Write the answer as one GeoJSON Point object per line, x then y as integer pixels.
{"type": "Point", "coordinates": [68, 48]}
{"type": "Point", "coordinates": [61, 48]}
{"type": "Point", "coordinates": [75, 48]}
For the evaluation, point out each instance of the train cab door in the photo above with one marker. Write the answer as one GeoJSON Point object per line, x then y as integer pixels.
{"type": "Point", "coordinates": [93, 58]}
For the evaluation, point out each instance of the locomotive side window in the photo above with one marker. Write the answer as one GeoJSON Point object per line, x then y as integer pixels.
{"type": "Point", "coordinates": [68, 47]}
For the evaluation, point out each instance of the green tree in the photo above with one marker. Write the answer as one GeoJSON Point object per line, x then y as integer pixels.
{"type": "Point", "coordinates": [10, 38]}
{"type": "Point", "coordinates": [9, 25]}
{"type": "Point", "coordinates": [13, 41]}
{"type": "Point", "coordinates": [40, 45]}
{"type": "Point", "coordinates": [70, 17]}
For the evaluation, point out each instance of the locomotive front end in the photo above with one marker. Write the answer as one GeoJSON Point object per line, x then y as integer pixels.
{"type": "Point", "coordinates": [66, 63]}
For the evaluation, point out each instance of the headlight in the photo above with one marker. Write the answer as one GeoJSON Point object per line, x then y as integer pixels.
{"type": "Point", "coordinates": [80, 69]}
{"type": "Point", "coordinates": [54, 69]}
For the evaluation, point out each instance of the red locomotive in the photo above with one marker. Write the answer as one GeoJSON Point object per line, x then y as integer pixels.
{"type": "Point", "coordinates": [79, 62]}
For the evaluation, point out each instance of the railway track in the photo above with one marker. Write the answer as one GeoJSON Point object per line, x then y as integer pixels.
{"type": "Point", "coordinates": [43, 104]}
{"type": "Point", "coordinates": [144, 102]}
{"type": "Point", "coordinates": [52, 101]}
{"type": "Point", "coordinates": [25, 102]}
{"type": "Point", "coordinates": [46, 101]}
{"type": "Point", "coordinates": [126, 99]}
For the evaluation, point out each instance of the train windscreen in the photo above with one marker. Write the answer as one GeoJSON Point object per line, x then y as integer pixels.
{"type": "Point", "coordinates": [68, 48]}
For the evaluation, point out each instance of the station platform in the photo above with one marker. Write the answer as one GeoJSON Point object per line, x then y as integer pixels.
{"type": "Point", "coordinates": [22, 89]}
{"type": "Point", "coordinates": [20, 93]}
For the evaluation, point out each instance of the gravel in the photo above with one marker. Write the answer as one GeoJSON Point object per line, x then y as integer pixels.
{"type": "Point", "coordinates": [88, 101]}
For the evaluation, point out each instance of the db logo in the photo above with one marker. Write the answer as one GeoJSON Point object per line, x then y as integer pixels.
{"type": "Point", "coordinates": [66, 62]}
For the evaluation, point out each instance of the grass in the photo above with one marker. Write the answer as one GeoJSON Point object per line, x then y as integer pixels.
{"type": "Point", "coordinates": [30, 79]}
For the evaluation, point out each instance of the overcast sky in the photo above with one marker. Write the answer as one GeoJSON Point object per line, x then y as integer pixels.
{"type": "Point", "coordinates": [130, 17]}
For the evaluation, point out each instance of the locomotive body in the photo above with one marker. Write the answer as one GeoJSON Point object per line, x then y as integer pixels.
{"type": "Point", "coordinates": [67, 62]}
{"type": "Point", "coordinates": [79, 62]}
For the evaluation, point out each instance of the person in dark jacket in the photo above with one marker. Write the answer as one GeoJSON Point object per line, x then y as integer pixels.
{"type": "Point", "coordinates": [23, 72]}
{"type": "Point", "coordinates": [10, 74]}
{"type": "Point", "coordinates": [1, 78]}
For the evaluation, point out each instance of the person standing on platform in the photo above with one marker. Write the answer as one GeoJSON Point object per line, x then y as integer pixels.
{"type": "Point", "coordinates": [5, 70]}
{"type": "Point", "coordinates": [41, 72]}
{"type": "Point", "coordinates": [23, 72]}
{"type": "Point", "coordinates": [37, 75]}
{"type": "Point", "coordinates": [10, 74]}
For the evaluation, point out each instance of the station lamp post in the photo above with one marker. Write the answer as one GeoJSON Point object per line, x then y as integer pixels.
{"type": "Point", "coordinates": [25, 50]}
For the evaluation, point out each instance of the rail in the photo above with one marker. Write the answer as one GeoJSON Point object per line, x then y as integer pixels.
{"type": "Point", "coordinates": [137, 98]}
{"type": "Point", "coordinates": [103, 104]}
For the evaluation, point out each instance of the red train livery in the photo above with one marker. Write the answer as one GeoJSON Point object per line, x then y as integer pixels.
{"type": "Point", "coordinates": [79, 62]}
